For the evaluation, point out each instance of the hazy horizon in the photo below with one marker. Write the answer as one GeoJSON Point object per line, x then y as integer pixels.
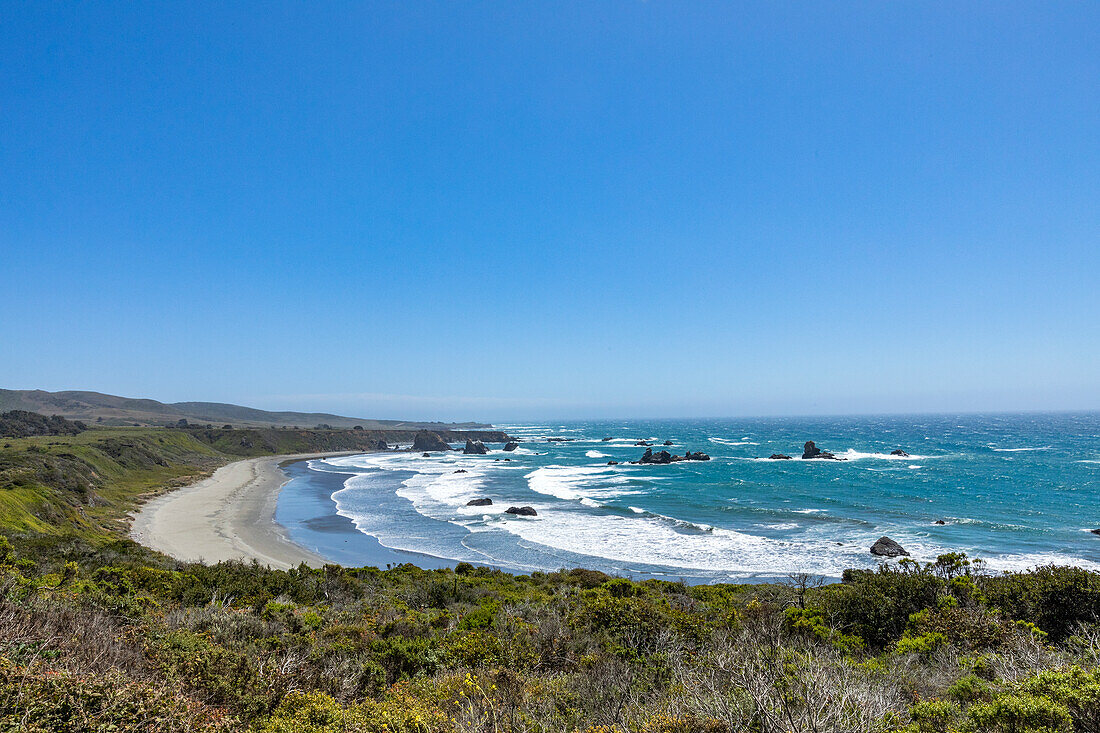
{"type": "Point", "coordinates": [502, 212]}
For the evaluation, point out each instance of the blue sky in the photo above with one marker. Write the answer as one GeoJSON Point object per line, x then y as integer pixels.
{"type": "Point", "coordinates": [508, 211]}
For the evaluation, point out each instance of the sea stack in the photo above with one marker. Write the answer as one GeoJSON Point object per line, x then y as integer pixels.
{"type": "Point", "coordinates": [511, 445]}
{"type": "Point", "coordinates": [810, 451]}
{"type": "Point", "coordinates": [886, 547]}
{"type": "Point", "coordinates": [429, 441]}
{"type": "Point", "coordinates": [475, 447]}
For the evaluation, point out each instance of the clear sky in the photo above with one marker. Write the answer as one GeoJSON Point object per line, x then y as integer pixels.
{"type": "Point", "coordinates": [508, 211]}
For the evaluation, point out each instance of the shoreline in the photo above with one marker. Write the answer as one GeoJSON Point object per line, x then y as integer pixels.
{"type": "Point", "coordinates": [229, 515]}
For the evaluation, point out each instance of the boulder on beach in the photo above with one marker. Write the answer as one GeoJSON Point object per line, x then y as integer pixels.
{"type": "Point", "coordinates": [480, 502]}
{"type": "Point", "coordinates": [511, 445]}
{"type": "Point", "coordinates": [475, 447]}
{"type": "Point", "coordinates": [812, 451]}
{"type": "Point", "coordinates": [886, 547]}
{"type": "Point", "coordinates": [779, 457]}
{"type": "Point", "coordinates": [899, 452]}
{"type": "Point", "coordinates": [426, 440]}
{"type": "Point", "coordinates": [522, 511]}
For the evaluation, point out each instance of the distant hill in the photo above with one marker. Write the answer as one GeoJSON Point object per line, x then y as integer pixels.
{"type": "Point", "coordinates": [104, 409]}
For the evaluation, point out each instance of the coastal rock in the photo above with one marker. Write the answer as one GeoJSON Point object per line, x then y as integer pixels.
{"type": "Point", "coordinates": [642, 442]}
{"type": "Point", "coordinates": [779, 457]}
{"type": "Point", "coordinates": [429, 441]}
{"type": "Point", "coordinates": [426, 455]}
{"type": "Point", "coordinates": [480, 502]}
{"type": "Point", "coordinates": [656, 458]}
{"type": "Point", "coordinates": [886, 547]}
{"type": "Point", "coordinates": [606, 440]}
{"type": "Point", "coordinates": [668, 442]}
{"type": "Point", "coordinates": [559, 440]}
{"type": "Point", "coordinates": [812, 451]}
{"type": "Point", "coordinates": [381, 445]}
{"type": "Point", "coordinates": [899, 452]}
{"type": "Point", "coordinates": [612, 463]}
{"type": "Point", "coordinates": [511, 445]}
{"type": "Point", "coordinates": [940, 521]}
{"type": "Point", "coordinates": [522, 511]}
{"type": "Point", "coordinates": [475, 447]}
{"type": "Point", "coordinates": [664, 457]}
{"type": "Point", "coordinates": [1095, 531]}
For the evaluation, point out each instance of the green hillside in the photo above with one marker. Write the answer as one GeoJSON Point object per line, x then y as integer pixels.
{"type": "Point", "coordinates": [104, 409]}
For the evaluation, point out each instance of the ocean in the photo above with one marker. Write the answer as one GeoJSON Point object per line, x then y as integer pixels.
{"type": "Point", "coordinates": [1016, 491]}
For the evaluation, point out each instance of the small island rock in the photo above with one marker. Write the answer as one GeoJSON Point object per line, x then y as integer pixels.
{"type": "Point", "coordinates": [480, 502]}
{"type": "Point", "coordinates": [522, 511]}
{"type": "Point", "coordinates": [429, 441]}
{"type": "Point", "coordinates": [810, 451]}
{"type": "Point", "coordinates": [475, 447]}
{"type": "Point", "coordinates": [511, 445]}
{"type": "Point", "coordinates": [779, 457]}
{"type": "Point", "coordinates": [886, 547]}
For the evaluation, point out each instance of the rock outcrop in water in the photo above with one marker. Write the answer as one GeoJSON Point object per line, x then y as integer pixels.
{"type": "Point", "coordinates": [511, 445]}
{"type": "Point", "coordinates": [812, 451]}
{"type": "Point", "coordinates": [779, 457]}
{"type": "Point", "coordinates": [521, 511]}
{"type": "Point", "coordinates": [475, 448]}
{"type": "Point", "coordinates": [426, 440]}
{"type": "Point", "coordinates": [480, 502]}
{"type": "Point", "coordinates": [899, 452]}
{"type": "Point", "coordinates": [664, 457]}
{"type": "Point", "coordinates": [668, 442]}
{"type": "Point", "coordinates": [886, 547]}
{"type": "Point", "coordinates": [642, 442]}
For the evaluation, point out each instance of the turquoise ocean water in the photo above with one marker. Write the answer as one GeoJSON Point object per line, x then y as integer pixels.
{"type": "Point", "coordinates": [1014, 490]}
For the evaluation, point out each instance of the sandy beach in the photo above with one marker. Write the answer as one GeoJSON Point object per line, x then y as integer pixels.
{"type": "Point", "coordinates": [228, 516]}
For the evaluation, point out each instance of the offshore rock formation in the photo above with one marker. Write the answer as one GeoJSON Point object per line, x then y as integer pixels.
{"type": "Point", "coordinates": [812, 451]}
{"type": "Point", "coordinates": [664, 457]}
{"type": "Point", "coordinates": [480, 502]}
{"type": "Point", "coordinates": [779, 457]}
{"type": "Point", "coordinates": [899, 452]}
{"type": "Point", "coordinates": [511, 445]}
{"type": "Point", "coordinates": [475, 447]}
{"type": "Point", "coordinates": [429, 441]}
{"type": "Point", "coordinates": [521, 511]}
{"type": "Point", "coordinates": [886, 547]}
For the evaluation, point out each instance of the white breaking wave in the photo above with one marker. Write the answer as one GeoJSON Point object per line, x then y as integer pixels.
{"type": "Point", "coordinates": [578, 482]}
{"type": "Point", "coordinates": [723, 441]}
{"type": "Point", "coordinates": [595, 454]}
{"type": "Point", "coordinates": [1018, 450]}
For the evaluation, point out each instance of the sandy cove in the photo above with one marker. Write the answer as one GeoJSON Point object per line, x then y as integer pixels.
{"type": "Point", "coordinates": [228, 516]}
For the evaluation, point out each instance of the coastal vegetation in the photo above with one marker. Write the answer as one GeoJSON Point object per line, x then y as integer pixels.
{"type": "Point", "coordinates": [98, 633]}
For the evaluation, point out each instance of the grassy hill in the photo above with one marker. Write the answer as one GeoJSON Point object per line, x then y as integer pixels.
{"type": "Point", "coordinates": [95, 407]}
